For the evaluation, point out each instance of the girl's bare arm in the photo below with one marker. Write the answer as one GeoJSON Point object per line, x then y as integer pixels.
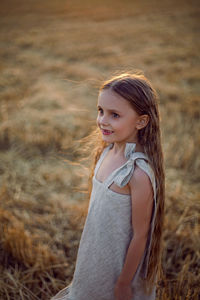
{"type": "Point", "coordinates": [142, 203]}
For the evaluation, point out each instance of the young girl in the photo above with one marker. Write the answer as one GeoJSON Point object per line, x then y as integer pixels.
{"type": "Point", "coordinates": [119, 251]}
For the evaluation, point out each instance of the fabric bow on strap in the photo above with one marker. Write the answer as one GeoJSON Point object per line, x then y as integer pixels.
{"type": "Point", "coordinates": [123, 174]}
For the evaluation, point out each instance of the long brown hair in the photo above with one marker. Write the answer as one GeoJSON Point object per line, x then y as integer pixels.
{"type": "Point", "coordinates": [137, 90]}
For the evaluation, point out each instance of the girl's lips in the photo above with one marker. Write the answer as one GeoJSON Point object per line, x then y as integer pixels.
{"type": "Point", "coordinates": [106, 132]}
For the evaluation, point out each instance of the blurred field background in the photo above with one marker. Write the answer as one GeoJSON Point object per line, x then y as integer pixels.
{"type": "Point", "coordinates": [54, 55]}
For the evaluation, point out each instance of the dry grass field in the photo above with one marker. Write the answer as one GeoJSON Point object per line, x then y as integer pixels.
{"type": "Point", "coordinates": [54, 54]}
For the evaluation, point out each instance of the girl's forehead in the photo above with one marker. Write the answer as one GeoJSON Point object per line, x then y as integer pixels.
{"type": "Point", "coordinates": [108, 98]}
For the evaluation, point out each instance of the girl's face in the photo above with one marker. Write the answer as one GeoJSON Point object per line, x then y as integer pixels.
{"type": "Point", "coordinates": [117, 119]}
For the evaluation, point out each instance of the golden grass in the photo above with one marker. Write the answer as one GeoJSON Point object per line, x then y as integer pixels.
{"type": "Point", "coordinates": [53, 58]}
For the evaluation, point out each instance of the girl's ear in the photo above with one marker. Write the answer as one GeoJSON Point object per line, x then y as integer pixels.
{"type": "Point", "coordinates": [142, 121]}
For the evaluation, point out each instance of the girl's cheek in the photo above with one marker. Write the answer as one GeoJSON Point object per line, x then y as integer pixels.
{"type": "Point", "coordinates": [97, 121]}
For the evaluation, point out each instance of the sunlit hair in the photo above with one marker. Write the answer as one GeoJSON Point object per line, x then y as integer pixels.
{"type": "Point", "coordinates": [137, 90]}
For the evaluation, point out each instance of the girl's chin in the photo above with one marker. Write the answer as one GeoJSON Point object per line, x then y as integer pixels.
{"type": "Point", "coordinates": [107, 138]}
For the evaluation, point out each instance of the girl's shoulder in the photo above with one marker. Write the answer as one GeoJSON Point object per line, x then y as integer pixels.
{"type": "Point", "coordinates": [141, 182]}
{"type": "Point", "coordinates": [139, 174]}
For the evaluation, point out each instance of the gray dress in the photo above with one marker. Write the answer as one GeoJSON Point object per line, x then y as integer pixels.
{"type": "Point", "coordinates": [107, 234]}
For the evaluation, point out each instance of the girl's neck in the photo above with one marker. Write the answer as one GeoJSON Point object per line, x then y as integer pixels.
{"type": "Point", "coordinates": [118, 148]}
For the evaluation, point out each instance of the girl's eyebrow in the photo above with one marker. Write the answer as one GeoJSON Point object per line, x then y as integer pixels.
{"type": "Point", "coordinates": [110, 110]}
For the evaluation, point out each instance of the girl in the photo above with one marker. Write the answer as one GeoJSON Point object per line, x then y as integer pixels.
{"type": "Point", "coordinates": [119, 251]}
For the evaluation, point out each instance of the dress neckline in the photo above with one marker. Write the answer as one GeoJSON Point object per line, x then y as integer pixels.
{"type": "Point", "coordinates": [129, 149]}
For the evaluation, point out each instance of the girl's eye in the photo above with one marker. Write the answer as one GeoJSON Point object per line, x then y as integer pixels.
{"type": "Point", "coordinates": [115, 115]}
{"type": "Point", "coordinates": [100, 110]}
